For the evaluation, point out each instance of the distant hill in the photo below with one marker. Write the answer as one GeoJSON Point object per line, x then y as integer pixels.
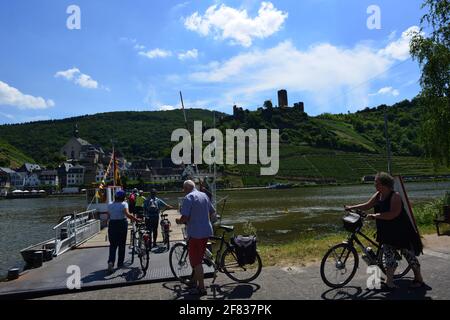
{"type": "Point", "coordinates": [136, 134]}
{"type": "Point", "coordinates": [11, 156]}
{"type": "Point", "coordinates": [338, 146]}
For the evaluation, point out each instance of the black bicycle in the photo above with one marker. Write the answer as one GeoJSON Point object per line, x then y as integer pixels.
{"type": "Point", "coordinates": [140, 244]}
{"type": "Point", "coordinates": [341, 261]}
{"type": "Point", "coordinates": [226, 260]}
{"type": "Point", "coordinates": [165, 230]}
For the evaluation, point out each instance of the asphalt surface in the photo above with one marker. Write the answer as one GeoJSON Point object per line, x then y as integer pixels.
{"type": "Point", "coordinates": [295, 283]}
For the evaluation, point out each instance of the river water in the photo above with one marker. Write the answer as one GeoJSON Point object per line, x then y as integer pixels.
{"type": "Point", "coordinates": [277, 215]}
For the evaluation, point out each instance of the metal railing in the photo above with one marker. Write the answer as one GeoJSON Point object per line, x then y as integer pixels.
{"type": "Point", "coordinates": [78, 228]}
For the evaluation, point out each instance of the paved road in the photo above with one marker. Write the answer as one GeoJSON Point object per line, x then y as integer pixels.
{"type": "Point", "coordinates": [295, 283]}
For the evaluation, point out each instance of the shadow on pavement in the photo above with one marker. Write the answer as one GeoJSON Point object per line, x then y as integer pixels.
{"type": "Point", "coordinates": [357, 293]}
{"type": "Point", "coordinates": [133, 274]}
{"type": "Point", "coordinates": [215, 291]}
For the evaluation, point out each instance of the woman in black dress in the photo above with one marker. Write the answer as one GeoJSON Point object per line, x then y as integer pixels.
{"type": "Point", "coordinates": [394, 230]}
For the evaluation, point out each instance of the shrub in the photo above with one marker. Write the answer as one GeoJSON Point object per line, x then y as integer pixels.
{"type": "Point", "coordinates": [426, 213]}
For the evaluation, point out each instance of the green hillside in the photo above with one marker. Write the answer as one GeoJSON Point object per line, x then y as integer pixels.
{"type": "Point", "coordinates": [344, 147]}
{"type": "Point", "coordinates": [135, 134]}
{"type": "Point", "coordinates": [344, 167]}
{"type": "Point", "coordinates": [11, 156]}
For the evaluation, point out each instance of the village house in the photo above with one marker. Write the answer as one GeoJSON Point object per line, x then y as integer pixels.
{"type": "Point", "coordinates": [62, 171]}
{"type": "Point", "coordinates": [75, 176]}
{"type": "Point", "coordinates": [155, 170]}
{"type": "Point", "coordinates": [5, 183]}
{"type": "Point", "coordinates": [49, 178]}
{"type": "Point", "coordinates": [16, 179]}
{"type": "Point", "coordinates": [30, 173]}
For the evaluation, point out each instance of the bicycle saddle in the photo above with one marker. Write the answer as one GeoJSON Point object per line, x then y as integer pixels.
{"type": "Point", "coordinates": [227, 228]}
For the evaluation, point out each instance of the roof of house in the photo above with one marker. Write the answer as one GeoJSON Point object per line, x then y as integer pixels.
{"type": "Point", "coordinates": [77, 167]}
{"type": "Point", "coordinates": [7, 170]}
{"type": "Point", "coordinates": [83, 142]}
{"type": "Point", "coordinates": [66, 166]}
{"type": "Point", "coordinates": [49, 173]}
{"type": "Point", "coordinates": [31, 167]}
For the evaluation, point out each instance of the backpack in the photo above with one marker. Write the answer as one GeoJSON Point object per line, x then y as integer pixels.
{"type": "Point", "coordinates": [132, 199]}
{"type": "Point", "coordinates": [245, 249]}
{"type": "Point", "coordinates": [151, 209]}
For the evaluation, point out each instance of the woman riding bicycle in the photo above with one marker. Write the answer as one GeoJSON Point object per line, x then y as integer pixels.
{"type": "Point", "coordinates": [394, 230]}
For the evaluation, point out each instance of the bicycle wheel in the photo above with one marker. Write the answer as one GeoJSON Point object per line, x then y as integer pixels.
{"type": "Point", "coordinates": [239, 273]}
{"type": "Point", "coordinates": [403, 266]}
{"type": "Point", "coordinates": [179, 262]}
{"type": "Point", "coordinates": [133, 245]}
{"type": "Point", "coordinates": [339, 265]}
{"type": "Point", "coordinates": [144, 254]}
{"type": "Point", "coordinates": [167, 240]}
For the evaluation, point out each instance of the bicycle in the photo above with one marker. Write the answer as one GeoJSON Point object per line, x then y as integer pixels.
{"type": "Point", "coordinates": [165, 229]}
{"type": "Point", "coordinates": [225, 261]}
{"type": "Point", "coordinates": [343, 257]}
{"type": "Point", "coordinates": [140, 244]}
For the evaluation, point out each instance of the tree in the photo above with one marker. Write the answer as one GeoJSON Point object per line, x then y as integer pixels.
{"type": "Point", "coordinates": [433, 54]}
{"type": "Point", "coordinates": [268, 104]}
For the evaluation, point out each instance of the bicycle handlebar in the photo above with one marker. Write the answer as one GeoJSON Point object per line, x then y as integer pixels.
{"type": "Point", "coordinates": [358, 212]}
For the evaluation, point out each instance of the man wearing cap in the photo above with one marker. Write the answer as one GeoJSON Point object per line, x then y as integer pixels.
{"type": "Point", "coordinates": [117, 229]}
{"type": "Point", "coordinates": [196, 211]}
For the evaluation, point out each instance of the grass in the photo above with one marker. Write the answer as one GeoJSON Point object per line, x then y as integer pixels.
{"type": "Point", "coordinates": [345, 167]}
{"type": "Point", "coordinates": [307, 251]}
{"type": "Point", "coordinates": [346, 133]}
{"type": "Point", "coordinates": [10, 156]}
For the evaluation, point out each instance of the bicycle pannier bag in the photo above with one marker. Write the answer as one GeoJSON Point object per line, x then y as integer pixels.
{"type": "Point", "coordinates": [352, 222]}
{"type": "Point", "coordinates": [245, 249]}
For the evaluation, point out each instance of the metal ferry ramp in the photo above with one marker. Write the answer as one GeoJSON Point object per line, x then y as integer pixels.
{"type": "Point", "coordinates": [57, 275]}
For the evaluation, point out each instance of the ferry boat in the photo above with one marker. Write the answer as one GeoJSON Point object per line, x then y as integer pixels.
{"type": "Point", "coordinates": [72, 229]}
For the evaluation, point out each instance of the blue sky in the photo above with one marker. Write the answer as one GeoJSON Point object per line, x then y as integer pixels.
{"type": "Point", "coordinates": [137, 55]}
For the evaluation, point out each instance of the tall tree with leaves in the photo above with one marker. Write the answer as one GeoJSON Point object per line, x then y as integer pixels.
{"type": "Point", "coordinates": [432, 51]}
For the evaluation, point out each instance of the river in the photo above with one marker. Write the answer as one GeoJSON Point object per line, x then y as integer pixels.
{"type": "Point", "coordinates": [277, 215]}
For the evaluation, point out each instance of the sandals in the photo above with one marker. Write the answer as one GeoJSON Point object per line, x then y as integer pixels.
{"type": "Point", "coordinates": [416, 284]}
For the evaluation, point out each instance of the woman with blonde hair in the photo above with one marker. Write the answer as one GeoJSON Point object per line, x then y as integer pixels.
{"type": "Point", "coordinates": [394, 230]}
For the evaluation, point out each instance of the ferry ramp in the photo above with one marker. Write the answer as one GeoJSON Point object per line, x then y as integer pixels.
{"type": "Point", "coordinates": [57, 276]}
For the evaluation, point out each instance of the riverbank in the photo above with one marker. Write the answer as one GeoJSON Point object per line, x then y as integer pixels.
{"type": "Point", "coordinates": [310, 251]}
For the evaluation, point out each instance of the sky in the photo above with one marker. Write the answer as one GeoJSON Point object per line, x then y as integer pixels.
{"type": "Point", "coordinates": [59, 61]}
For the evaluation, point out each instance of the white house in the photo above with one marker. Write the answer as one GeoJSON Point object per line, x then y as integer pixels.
{"type": "Point", "coordinates": [49, 178]}
{"type": "Point", "coordinates": [75, 176]}
{"type": "Point", "coordinates": [32, 180]}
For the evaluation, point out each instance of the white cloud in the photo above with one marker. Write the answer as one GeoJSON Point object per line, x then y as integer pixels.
{"type": "Point", "coordinates": [81, 79]}
{"type": "Point", "coordinates": [330, 75]}
{"type": "Point", "coordinates": [392, 35]}
{"type": "Point", "coordinates": [229, 23]}
{"type": "Point", "coordinates": [86, 81]}
{"type": "Point", "coordinates": [68, 74]}
{"type": "Point", "coordinates": [155, 53]}
{"type": "Point", "coordinates": [387, 91]}
{"type": "Point", "coordinates": [180, 6]}
{"type": "Point", "coordinates": [190, 54]}
{"type": "Point", "coordinates": [13, 97]}
{"type": "Point", "coordinates": [166, 108]}
{"type": "Point", "coordinates": [399, 49]}
{"type": "Point", "coordinates": [7, 116]}
{"type": "Point", "coordinates": [139, 47]}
